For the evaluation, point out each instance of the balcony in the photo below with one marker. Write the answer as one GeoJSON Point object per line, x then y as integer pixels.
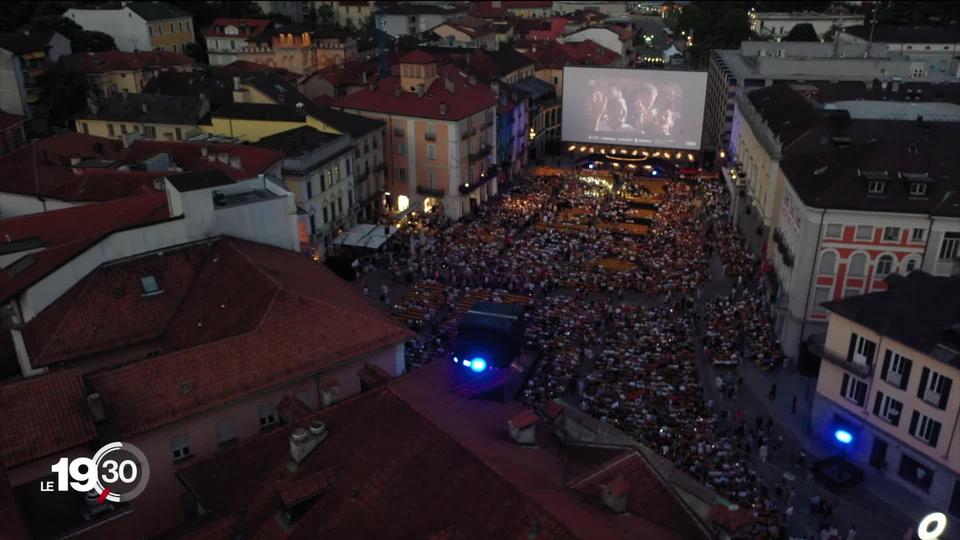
{"type": "Point", "coordinates": [863, 371]}
{"type": "Point", "coordinates": [483, 152]}
{"type": "Point", "coordinates": [430, 192]}
{"type": "Point", "coordinates": [379, 167]}
{"type": "Point", "coordinates": [430, 136]}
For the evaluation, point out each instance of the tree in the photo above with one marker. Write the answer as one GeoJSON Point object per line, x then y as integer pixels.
{"type": "Point", "coordinates": [369, 23]}
{"type": "Point", "coordinates": [197, 51]}
{"type": "Point", "coordinates": [712, 25]}
{"type": "Point", "coordinates": [80, 40]}
{"type": "Point", "coordinates": [791, 7]}
{"type": "Point", "coordinates": [326, 15]}
{"type": "Point", "coordinates": [802, 32]}
{"type": "Point", "coordinates": [64, 91]}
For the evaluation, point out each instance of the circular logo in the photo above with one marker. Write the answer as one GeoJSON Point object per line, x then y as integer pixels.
{"type": "Point", "coordinates": [122, 472]}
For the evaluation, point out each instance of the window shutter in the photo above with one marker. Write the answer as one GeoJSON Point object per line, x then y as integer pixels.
{"type": "Point", "coordinates": [886, 365]}
{"type": "Point", "coordinates": [924, 375]}
{"type": "Point", "coordinates": [913, 422]}
{"type": "Point", "coordinates": [905, 378]}
{"type": "Point", "coordinates": [861, 393]}
{"type": "Point", "coordinates": [844, 384]}
{"type": "Point", "coordinates": [869, 349]}
{"type": "Point", "coordinates": [945, 395]}
{"type": "Point", "coordinates": [934, 434]}
{"type": "Point", "coordinates": [853, 347]}
{"type": "Point", "coordinates": [876, 404]}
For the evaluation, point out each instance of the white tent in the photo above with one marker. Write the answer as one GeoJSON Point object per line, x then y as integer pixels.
{"type": "Point", "coordinates": [366, 235]}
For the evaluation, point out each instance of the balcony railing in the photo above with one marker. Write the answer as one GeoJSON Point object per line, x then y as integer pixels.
{"type": "Point", "coordinates": [430, 136]}
{"type": "Point", "coordinates": [860, 370]}
{"type": "Point", "coordinates": [379, 167]}
{"type": "Point", "coordinates": [430, 192]}
{"type": "Point", "coordinates": [483, 152]}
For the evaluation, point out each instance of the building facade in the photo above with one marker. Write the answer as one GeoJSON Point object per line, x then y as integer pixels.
{"type": "Point", "coordinates": [116, 72]}
{"type": "Point", "coordinates": [300, 49]}
{"type": "Point", "coordinates": [227, 36]}
{"type": "Point", "coordinates": [403, 19]}
{"type": "Point", "coordinates": [889, 382]}
{"type": "Point", "coordinates": [140, 26]}
{"type": "Point", "coordinates": [148, 116]}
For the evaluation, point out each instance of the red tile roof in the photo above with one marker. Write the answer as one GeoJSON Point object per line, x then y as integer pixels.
{"type": "Point", "coordinates": [398, 476]}
{"type": "Point", "coordinates": [8, 120]}
{"type": "Point", "coordinates": [43, 168]}
{"type": "Point", "coordinates": [247, 27]}
{"type": "Point", "coordinates": [465, 100]}
{"type": "Point", "coordinates": [107, 61]}
{"type": "Point", "coordinates": [254, 312]}
{"type": "Point", "coordinates": [292, 409]}
{"type": "Point", "coordinates": [43, 415]}
{"type": "Point", "coordinates": [470, 26]}
{"type": "Point", "coordinates": [416, 57]}
{"type": "Point", "coordinates": [305, 486]}
{"type": "Point", "coordinates": [245, 66]}
{"type": "Point", "coordinates": [555, 55]}
{"type": "Point", "coordinates": [525, 419]}
{"type": "Point", "coordinates": [349, 73]}
{"type": "Point", "coordinates": [69, 231]}
{"type": "Point", "coordinates": [647, 496]}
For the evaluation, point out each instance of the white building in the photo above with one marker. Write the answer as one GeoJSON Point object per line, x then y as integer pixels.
{"type": "Point", "coordinates": [226, 37]}
{"type": "Point", "coordinates": [403, 19]}
{"type": "Point", "coordinates": [938, 48]}
{"type": "Point", "coordinates": [778, 24]}
{"type": "Point", "coordinates": [139, 26]}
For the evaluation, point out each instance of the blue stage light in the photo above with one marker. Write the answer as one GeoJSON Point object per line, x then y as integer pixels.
{"type": "Point", "coordinates": [843, 436]}
{"type": "Point", "coordinates": [466, 363]}
{"type": "Point", "coordinates": [456, 360]}
{"type": "Point", "coordinates": [477, 365]}
{"type": "Point", "coordinates": [654, 172]}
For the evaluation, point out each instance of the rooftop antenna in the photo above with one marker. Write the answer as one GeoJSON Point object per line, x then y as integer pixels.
{"type": "Point", "coordinates": [837, 28]}
{"type": "Point", "coordinates": [873, 25]}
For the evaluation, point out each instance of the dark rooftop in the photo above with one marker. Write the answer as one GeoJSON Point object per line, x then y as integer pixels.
{"type": "Point", "coordinates": [886, 33]}
{"type": "Point", "coordinates": [788, 114]}
{"type": "Point", "coordinates": [155, 11]}
{"type": "Point", "coordinates": [152, 108]}
{"type": "Point", "coordinates": [414, 9]}
{"type": "Point", "coordinates": [298, 141]}
{"type": "Point", "coordinates": [260, 111]}
{"type": "Point", "coordinates": [919, 311]}
{"type": "Point", "coordinates": [353, 124]}
{"type": "Point", "coordinates": [191, 181]}
{"type": "Point", "coordinates": [24, 43]}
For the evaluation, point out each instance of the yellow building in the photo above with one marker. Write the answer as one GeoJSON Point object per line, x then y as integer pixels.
{"type": "Point", "coordinates": [150, 116]}
{"type": "Point", "coordinates": [885, 391]}
{"type": "Point", "coordinates": [139, 26]}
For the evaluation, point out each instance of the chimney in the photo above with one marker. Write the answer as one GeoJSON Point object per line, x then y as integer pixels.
{"type": "Point", "coordinates": [223, 157]}
{"type": "Point", "coordinates": [143, 107]}
{"type": "Point", "coordinates": [75, 160]}
{"type": "Point", "coordinates": [614, 494]}
{"type": "Point", "coordinates": [495, 86]}
{"type": "Point", "coordinates": [421, 90]}
{"type": "Point", "coordinates": [523, 427]}
{"type": "Point", "coordinates": [443, 108]}
{"type": "Point", "coordinates": [124, 93]}
{"type": "Point", "coordinates": [158, 184]}
{"type": "Point", "coordinates": [95, 404]}
{"type": "Point", "coordinates": [448, 84]}
{"type": "Point", "coordinates": [895, 87]}
{"type": "Point", "coordinates": [204, 151]}
{"type": "Point", "coordinates": [329, 391]}
{"type": "Point", "coordinates": [363, 77]}
{"type": "Point", "coordinates": [303, 441]}
{"type": "Point", "coordinates": [397, 91]}
{"type": "Point", "coordinates": [300, 106]}
{"type": "Point", "coordinates": [236, 163]}
{"type": "Point", "coordinates": [472, 80]}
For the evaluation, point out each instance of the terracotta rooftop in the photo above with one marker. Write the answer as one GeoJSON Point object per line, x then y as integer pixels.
{"type": "Point", "coordinates": [107, 61]}
{"type": "Point", "coordinates": [43, 168]}
{"type": "Point", "coordinates": [254, 311]}
{"type": "Point", "coordinates": [9, 120]}
{"type": "Point", "coordinates": [582, 53]}
{"type": "Point", "coordinates": [524, 419]}
{"type": "Point", "coordinates": [465, 100]}
{"type": "Point", "coordinates": [416, 57]}
{"type": "Point", "coordinates": [43, 415]}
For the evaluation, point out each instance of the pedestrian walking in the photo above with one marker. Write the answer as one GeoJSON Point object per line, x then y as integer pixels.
{"type": "Point", "coordinates": [793, 405]}
{"type": "Point", "coordinates": [763, 453]}
{"type": "Point", "coordinates": [772, 396]}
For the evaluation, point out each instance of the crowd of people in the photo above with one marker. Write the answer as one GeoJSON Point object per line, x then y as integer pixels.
{"type": "Point", "coordinates": [616, 337]}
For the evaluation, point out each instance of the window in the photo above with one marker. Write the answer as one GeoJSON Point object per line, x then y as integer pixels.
{"type": "Point", "coordinates": [820, 295]}
{"type": "Point", "coordinates": [159, 29]}
{"type": "Point", "coordinates": [884, 265]}
{"type": "Point", "coordinates": [918, 189]}
{"type": "Point", "coordinates": [150, 286]}
{"type": "Point", "coordinates": [401, 174]}
{"type": "Point", "coordinates": [431, 151]}
{"type": "Point", "coordinates": [950, 248]}
{"type": "Point", "coordinates": [150, 30]}
{"type": "Point", "coordinates": [309, 189]}
{"type": "Point", "coordinates": [431, 133]}
{"type": "Point", "coordinates": [179, 134]}
{"type": "Point", "coordinates": [917, 235]}
{"type": "Point", "coordinates": [180, 447]}
{"type": "Point", "coordinates": [150, 132]}
{"type": "Point", "coordinates": [851, 291]}
{"type": "Point", "coordinates": [864, 232]}
{"type": "Point", "coordinates": [180, 26]}
{"type": "Point", "coordinates": [123, 129]}
{"type": "Point", "coordinates": [891, 234]}
{"type": "Point", "coordinates": [861, 350]}
{"type": "Point", "coordinates": [401, 147]}
{"type": "Point", "coordinates": [225, 433]}
{"type": "Point", "coordinates": [313, 225]}
{"type": "Point", "coordinates": [340, 205]}
{"type": "Point", "coordinates": [828, 263]}
{"type": "Point", "coordinates": [834, 230]}
{"type": "Point", "coordinates": [86, 128]}
{"type": "Point", "coordinates": [349, 167]}
{"type": "Point", "coordinates": [853, 390]}
{"type": "Point", "coordinates": [326, 217]}
{"type": "Point", "coordinates": [136, 128]}
{"type": "Point", "coordinates": [875, 187]}
{"type": "Point", "coordinates": [910, 266]}
{"type": "Point", "coordinates": [858, 265]}
{"type": "Point", "coordinates": [934, 388]}
{"type": "Point", "coordinates": [267, 414]}
{"type": "Point", "coordinates": [171, 28]}
{"type": "Point", "coordinates": [912, 471]}
{"type": "Point", "coordinates": [350, 197]}
{"type": "Point", "coordinates": [924, 428]}
{"type": "Point", "coordinates": [888, 408]}
{"type": "Point", "coordinates": [431, 179]}
{"type": "Point", "coordinates": [896, 369]}
{"type": "Point", "coordinates": [110, 130]}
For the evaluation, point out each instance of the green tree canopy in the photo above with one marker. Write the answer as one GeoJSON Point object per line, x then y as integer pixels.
{"type": "Point", "coordinates": [802, 32]}
{"type": "Point", "coordinates": [65, 91]}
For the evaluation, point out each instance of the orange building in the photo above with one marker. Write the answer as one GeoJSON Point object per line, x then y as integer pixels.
{"type": "Point", "coordinates": [441, 135]}
{"type": "Point", "coordinates": [299, 48]}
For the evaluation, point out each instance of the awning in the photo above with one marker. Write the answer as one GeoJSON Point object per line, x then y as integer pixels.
{"type": "Point", "coordinates": [366, 235]}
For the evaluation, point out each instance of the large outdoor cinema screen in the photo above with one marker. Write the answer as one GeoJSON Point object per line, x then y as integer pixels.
{"type": "Point", "coordinates": [639, 107]}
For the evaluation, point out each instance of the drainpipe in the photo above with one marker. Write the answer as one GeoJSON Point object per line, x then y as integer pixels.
{"type": "Point", "coordinates": [953, 433]}
{"type": "Point", "coordinates": [813, 268]}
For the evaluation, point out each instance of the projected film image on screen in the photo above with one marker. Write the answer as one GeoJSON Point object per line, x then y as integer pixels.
{"type": "Point", "coordinates": [653, 108]}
